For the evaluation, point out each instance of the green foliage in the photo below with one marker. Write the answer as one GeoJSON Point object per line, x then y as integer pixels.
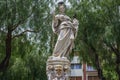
{"type": "Point", "coordinates": [29, 50]}
{"type": "Point", "coordinates": [98, 27]}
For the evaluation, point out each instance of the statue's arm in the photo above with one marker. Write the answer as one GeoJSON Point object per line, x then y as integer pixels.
{"type": "Point", "coordinates": [75, 23]}
{"type": "Point", "coordinates": [55, 24]}
{"type": "Point", "coordinates": [75, 26]}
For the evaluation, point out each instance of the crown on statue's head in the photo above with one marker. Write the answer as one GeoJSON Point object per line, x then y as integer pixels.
{"type": "Point", "coordinates": [60, 2]}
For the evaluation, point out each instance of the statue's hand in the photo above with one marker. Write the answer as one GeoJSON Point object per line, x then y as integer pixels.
{"type": "Point", "coordinates": [75, 21]}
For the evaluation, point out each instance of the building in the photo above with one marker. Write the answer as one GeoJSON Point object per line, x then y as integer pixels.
{"type": "Point", "coordinates": [82, 71]}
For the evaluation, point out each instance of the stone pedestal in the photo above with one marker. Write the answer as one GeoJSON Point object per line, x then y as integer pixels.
{"type": "Point", "coordinates": [58, 68]}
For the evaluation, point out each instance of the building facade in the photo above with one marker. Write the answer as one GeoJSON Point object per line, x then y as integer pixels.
{"type": "Point", "coordinates": [82, 71]}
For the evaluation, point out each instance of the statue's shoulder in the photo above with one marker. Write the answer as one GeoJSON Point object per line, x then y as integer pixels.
{"type": "Point", "coordinates": [61, 15]}
{"type": "Point", "coordinates": [58, 15]}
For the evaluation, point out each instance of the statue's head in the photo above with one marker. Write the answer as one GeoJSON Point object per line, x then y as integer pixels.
{"type": "Point", "coordinates": [61, 7]}
{"type": "Point", "coordinates": [58, 70]}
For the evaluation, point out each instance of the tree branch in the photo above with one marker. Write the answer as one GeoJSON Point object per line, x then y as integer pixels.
{"type": "Point", "coordinates": [21, 22]}
{"type": "Point", "coordinates": [23, 33]}
{"type": "Point", "coordinates": [16, 25]}
{"type": "Point", "coordinates": [115, 50]}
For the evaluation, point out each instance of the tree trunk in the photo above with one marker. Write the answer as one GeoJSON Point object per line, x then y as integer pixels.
{"type": "Point", "coordinates": [117, 53]}
{"type": "Point", "coordinates": [118, 65]}
{"type": "Point", "coordinates": [4, 64]}
{"type": "Point", "coordinates": [97, 63]}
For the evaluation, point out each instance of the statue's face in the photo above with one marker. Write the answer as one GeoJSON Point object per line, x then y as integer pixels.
{"type": "Point", "coordinates": [62, 9]}
{"type": "Point", "coordinates": [58, 70]}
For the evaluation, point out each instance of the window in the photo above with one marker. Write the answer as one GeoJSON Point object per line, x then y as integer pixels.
{"type": "Point", "coordinates": [90, 68]}
{"type": "Point", "coordinates": [76, 66]}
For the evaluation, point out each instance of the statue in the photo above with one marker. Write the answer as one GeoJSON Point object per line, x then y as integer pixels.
{"type": "Point", "coordinates": [66, 29]}
{"type": "Point", "coordinates": [58, 66]}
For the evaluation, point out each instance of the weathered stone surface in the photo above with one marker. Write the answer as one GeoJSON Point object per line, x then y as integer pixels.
{"type": "Point", "coordinates": [58, 68]}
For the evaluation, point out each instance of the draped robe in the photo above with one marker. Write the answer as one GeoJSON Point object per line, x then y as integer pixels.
{"type": "Point", "coordinates": [66, 29]}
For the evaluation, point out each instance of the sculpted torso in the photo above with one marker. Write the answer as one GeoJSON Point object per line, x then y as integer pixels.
{"type": "Point", "coordinates": [66, 29]}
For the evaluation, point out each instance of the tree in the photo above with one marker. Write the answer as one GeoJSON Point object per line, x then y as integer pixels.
{"type": "Point", "coordinates": [17, 18]}
{"type": "Point", "coordinates": [23, 28]}
{"type": "Point", "coordinates": [98, 35]}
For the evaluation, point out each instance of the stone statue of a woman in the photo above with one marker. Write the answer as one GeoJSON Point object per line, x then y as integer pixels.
{"type": "Point", "coordinates": [66, 29]}
{"type": "Point", "coordinates": [58, 66]}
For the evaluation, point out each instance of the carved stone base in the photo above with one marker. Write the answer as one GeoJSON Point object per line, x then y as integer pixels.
{"type": "Point", "coordinates": [58, 68]}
